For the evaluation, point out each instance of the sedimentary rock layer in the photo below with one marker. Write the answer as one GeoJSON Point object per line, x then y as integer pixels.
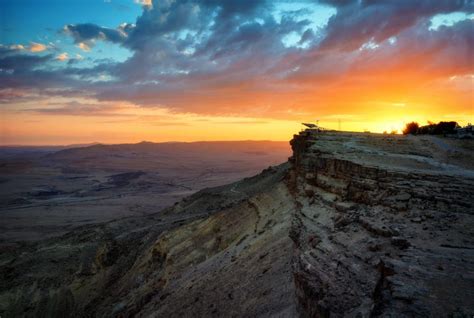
{"type": "Point", "coordinates": [373, 240]}
{"type": "Point", "coordinates": [355, 225]}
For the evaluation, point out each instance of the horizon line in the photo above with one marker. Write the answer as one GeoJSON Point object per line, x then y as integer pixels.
{"type": "Point", "coordinates": [86, 144]}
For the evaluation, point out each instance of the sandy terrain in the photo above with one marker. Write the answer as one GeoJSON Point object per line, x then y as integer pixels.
{"type": "Point", "coordinates": [45, 192]}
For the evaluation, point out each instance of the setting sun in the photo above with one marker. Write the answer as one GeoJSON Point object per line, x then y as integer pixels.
{"type": "Point", "coordinates": [135, 74]}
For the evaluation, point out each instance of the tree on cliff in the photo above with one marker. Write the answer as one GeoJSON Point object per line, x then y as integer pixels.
{"type": "Point", "coordinates": [411, 128]}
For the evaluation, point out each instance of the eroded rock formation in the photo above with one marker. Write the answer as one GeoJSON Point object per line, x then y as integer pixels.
{"type": "Point", "coordinates": [379, 239]}
{"type": "Point", "coordinates": [355, 225]}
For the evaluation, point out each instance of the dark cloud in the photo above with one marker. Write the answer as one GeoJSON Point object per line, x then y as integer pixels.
{"type": "Point", "coordinates": [207, 56]}
{"type": "Point", "coordinates": [90, 32]}
{"type": "Point", "coordinates": [444, 52]}
{"type": "Point", "coordinates": [33, 72]}
{"type": "Point", "coordinates": [358, 22]}
{"type": "Point", "coordinates": [22, 62]}
{"type": "Point", "coordinates": [7, 50]}
{"type": "Point", "coordinates": [339, 3]}
{"type": "Point", "coordinates": [26, 71]}
{"type": "Point", "coordinates": [232, 8]}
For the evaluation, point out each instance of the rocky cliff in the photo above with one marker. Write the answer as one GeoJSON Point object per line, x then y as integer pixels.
{"type": "Point", "coordinates": [382, 228]}
{"type": "Point", "coordinates": [354, 225]}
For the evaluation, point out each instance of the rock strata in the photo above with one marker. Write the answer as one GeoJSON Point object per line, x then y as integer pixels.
{"type": "Point", "coordinates": [351, 226]}
{"type": "Point", "coordinates": [381, 233]}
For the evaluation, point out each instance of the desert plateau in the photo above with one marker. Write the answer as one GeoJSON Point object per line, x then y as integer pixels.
{"type": "Point", "coordinates": [354, 224]}
{"type": "Point", "coordinates": [45, 192]}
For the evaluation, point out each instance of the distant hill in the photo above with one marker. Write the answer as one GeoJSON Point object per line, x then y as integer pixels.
{"type": "Point", "coordinates": [188, 155]}
{"type": "Point", "coordinates": [15, 150]}
{"type": "Point", "coordinates": [247, 146]}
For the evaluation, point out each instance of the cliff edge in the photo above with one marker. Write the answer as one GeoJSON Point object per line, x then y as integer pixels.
{"type": "Point", "coordinates": [354, 225]}
{"type": "Point", "coordinates": [384, 226]}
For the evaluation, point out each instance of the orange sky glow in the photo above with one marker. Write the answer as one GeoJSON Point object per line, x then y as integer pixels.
{"type": "Point", "coordinates": [375, 106]}
{"type": "Point", "coordinates": [249, 71]}
{"type": "Point", "coordinates": [375, 109]}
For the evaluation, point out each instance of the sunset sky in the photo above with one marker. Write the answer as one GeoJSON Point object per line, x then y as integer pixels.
{"type": "Point", "coordinates": [116, 71]}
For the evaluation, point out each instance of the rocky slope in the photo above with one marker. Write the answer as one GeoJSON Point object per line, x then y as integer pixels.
{"type": "Point", "coordinates": [204, 256]}
{"type": "Point", "coordinates": [355, 225]}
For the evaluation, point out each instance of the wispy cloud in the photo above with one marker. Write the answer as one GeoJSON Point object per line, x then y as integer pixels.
{"type": "Point", "coordinates": [75, 108]}
{"type": "Point", "coordinates": [37, 47]}
{"type": "Point", "coordinates": [83, 46]}
{"type": "Point", "coordinates": [146, 3]}
{"type": "Point", "coordinates": [33, 47]}
{"type": "Point", "coordinates": [62, 57]}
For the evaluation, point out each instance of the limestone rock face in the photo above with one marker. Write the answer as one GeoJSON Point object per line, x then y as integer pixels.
{"type": "Point", "coordinates": [354, 225]}
{"type": "Point", "coordinates": [381, 237]}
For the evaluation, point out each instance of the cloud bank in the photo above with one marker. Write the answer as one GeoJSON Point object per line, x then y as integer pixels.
{"type": "Point", "coordinates": [258, 58]}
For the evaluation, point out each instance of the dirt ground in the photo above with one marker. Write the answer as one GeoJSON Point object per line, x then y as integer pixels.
{"type": "Point", "coordinates": [48, 193]}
